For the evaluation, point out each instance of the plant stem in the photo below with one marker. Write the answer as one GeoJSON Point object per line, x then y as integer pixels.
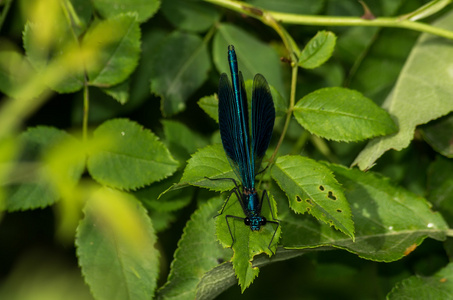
{"type": "Point", "coordinates": [289, 112]}
{"type": "Point", "coordinates": [396, 22]}
{"type": "Point", "coordinates": [86, 108]}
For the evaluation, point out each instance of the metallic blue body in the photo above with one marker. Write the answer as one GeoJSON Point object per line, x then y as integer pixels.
{"type": "Point", "coordinates": [245, 151]}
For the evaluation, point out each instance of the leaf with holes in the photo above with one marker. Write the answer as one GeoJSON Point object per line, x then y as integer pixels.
{"type": "Point", "coordinates": [311, 187]}
{"type": "Point", "coordinates": [389, 221]}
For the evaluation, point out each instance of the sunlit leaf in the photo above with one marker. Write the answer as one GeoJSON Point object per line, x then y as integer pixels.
{"type": "Point", "coordinates": [341, 114]}
{"type": "Point", "coordinates": [318, 50]}
{"type": "Point", "coordinates": [421, 94]}
{"type": "Point", "coordinates": [115, 245]}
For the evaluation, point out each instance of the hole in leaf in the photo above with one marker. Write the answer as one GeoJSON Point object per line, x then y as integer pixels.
{"type": "Point", "coordinates": [339, 210]}
{"type": "Point", "coordinates": [309, 201]}
{"type": "Point", "coordinates": [308, 209]}
{"type": "Point", "coordinates": [331, 196]}
{"type": "Point", "coordinates": [298, 199]}
{"type": "Point", "coordinates": [321, 188]}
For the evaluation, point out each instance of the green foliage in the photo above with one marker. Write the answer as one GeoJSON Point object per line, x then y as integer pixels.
{"type": "Point", "coordinates": [412, 101]}
{"type": "Point", "coordinates": [32, 186]}
{"type": "Point", "coordinates": [197, 247]}
{"type": "Point", "coordinates": [311, 187]}
{"type": "Point", "coordinates": [437, 286]}
{"type": "Point", "coordinates": [318, 50]}
{"type": "Point", "coordinates": [118, 259]}
{"type": "Point", "coordinates": [131, 158]}
{"type": "Point", "coordinates": [109, 143]}
{"type": "Point", "coordinates": [176, 75]}
{"type": "Point", "coordinates": [342, 115]}
{"type": "Point", "coordinates": [247, 243]}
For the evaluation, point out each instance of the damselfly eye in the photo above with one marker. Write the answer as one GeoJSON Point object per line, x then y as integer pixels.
{"type": "Point", "coordinates": [247, 221]}
{"type": "Point", "coordinates": [263, 221]}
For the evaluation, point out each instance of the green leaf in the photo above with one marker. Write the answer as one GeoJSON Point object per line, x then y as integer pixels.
{"type": "Point", "coordinates": [117, 45]}
{"type": "Point", "coordinates": [247, 243]}
{"type": "Point", "coordinates": [115, 246]}
{"type": "Point", "coordinates": [440, 187]}
{"type": "Point", "coordinates": [81, 14]}
{"type": "Point", "coordinates": [182, 141]}
{"type": "Point", "coordinates": [311, 187]}
{"type": "Point", "coordinates": [176, 200]}
{"type": "Point", "coordinates": [54, 61]}
{"type": "Point", "coordinates": [119, 92]}
{"type": "Point", "coordinates": [421, 94]}
{"type": "Point", "coordinates": [190, 15]}
{"type": "Point", "coordinates": [15, 72]}
{"type": "Point", "coordinates": [180, 67]}
{"type": "Point", "coordinates": [102, 107]}
{"type": "Point", "coordinates": [341, 114]}
{"type": "Point", "coordinates": [131, 158]}
{"type": "Point", "coordinates": [318, 50]}
{"type": "Point", "coordinates": [198, 252]}
{"type": "Point", "coordinates": [438, 135]}
{"type": "Point", "coordinates": [139, 90]}
{"type": "Point", "coordinates": [163, 220]}
{"type": "Point", "coordinates": [378, 66]}
{"type": "Point", "coordinates": [210, 105]}
{"type": "Point", "coordinates": [210, 162]}
{"type": "Point", "coordinates": [253, 55]}
{"type": "Point", "coordinates": [389, 221]}
{"type": "Point", "coordinates": [438, 286]}
{"type": "Point", "coordinates": [144, 9]}
{"type": "Point", "coordinates": [31, 185]}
